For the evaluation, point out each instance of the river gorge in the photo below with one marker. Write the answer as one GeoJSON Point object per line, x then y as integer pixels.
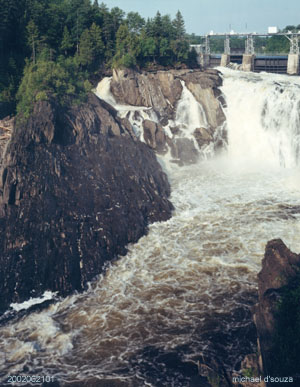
{"type": "Point", "coordinates": [181, 298]}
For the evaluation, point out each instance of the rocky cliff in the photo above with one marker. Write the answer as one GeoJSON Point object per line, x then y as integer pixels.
{"type": "Point", "coordinates": [277, 314]}
{"type": "Point", "coordinates": [76, 188]}
{"type": "Point", "coordinates": [162, 91]}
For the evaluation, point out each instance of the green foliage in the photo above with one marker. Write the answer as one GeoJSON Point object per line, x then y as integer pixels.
{"type": "Point", "coordinates": [249, 373]}
{"type": "Point", "coordinates": [74, 40]}
{"type": "Point", "coordinates": [66, 43]}
{"type": "Point", "coordinates": [179, 26]}
{"type": "Point", "coordinates": [127, 48]}
{"type": "Point", "coordinates": [135, 22]}
{"type": "Point", "coordinates": [33, 34]}
{"type": "Point", "coordinates": [286, 347]}
{"type": "Point", "coordinates": [277, 44]}
{"type": "Point", "coordinates": [43, 79]}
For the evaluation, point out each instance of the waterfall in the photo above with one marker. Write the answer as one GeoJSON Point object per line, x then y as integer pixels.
{"type": "Point", "coordinates": [182, 296]}
{"type": "Point", "coordinates": [263, 118]}
{"type": "Point", "coordinates": [189, 116]}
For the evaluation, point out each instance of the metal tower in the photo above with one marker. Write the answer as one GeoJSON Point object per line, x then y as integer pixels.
{"type": "Point", "coordinates": [249, 45]}
{"type": "Point", "coordinates": [227, 45]}
{"type": "Point", "coordinates": [294, 46]}
{"type": "Point", "coordinates": [207, 46]}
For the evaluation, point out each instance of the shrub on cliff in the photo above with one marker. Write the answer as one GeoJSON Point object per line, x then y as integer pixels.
{"type": "Point", "coordinates": [61, 79]}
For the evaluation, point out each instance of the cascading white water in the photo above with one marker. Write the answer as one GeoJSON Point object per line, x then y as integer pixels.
{"type": "Point", "coordinates": [263, 116]}
{"type": "Point", "coordinates": [190, 114]}
{"type": "Point", "coordinates": [186, 287]}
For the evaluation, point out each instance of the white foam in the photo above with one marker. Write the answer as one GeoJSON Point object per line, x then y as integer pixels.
{"type": "Point", "coordinates": [48, 295]}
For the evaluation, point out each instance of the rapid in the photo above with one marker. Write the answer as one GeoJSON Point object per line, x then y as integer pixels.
{"type": "Point", "coordinates": [183, 293]}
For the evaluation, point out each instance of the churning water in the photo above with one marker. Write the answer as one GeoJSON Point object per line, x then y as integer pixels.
{"type": "Point", "coordinates": [182, 294]}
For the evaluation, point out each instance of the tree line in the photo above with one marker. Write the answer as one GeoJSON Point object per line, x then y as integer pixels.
{"type": "Point", "coordinates": [57, 46]}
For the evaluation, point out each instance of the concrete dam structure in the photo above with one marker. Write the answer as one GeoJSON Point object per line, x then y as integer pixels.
{"type": "Point", "coordinates": [249, 60]}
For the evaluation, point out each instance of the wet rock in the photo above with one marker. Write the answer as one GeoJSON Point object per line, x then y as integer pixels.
{"type": "Point", "coordinates": [75, 188]}
{"type": "Point", "coordinates": [204, 87]}
{"type": "Point", "coordinates": [162, 91]}
{"type": "Point", "coordinates": [203, 136]}
{"type": "Point", "coordinates": [174, 130]}
{"type": "Point", "coordinates": [154, 136]}
{"type": "Point", "coordinates": [184, 151]}
{"type": "Point", "coordinates": [279, 268]}
{"type": "Point", "coordinates": [159, 90]}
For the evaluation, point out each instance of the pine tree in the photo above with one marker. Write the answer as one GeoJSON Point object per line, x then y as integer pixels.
{"type": "Point", "coordinates": [178, 23]}
{"type": "Point", "coordinates": [157, 25]}
{"type": "Point", "coordinates": [135, 22]}
{"type": "Point", "coordinates": [85, 55]}
{"type": "Point", "coordinates": [97, 45]}
{"type": "Point", "coordinates": [33, 34]}
{"type": "Point", "coordinates": [66, 44]}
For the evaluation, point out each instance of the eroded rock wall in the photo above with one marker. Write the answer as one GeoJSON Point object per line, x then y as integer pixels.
{"type": "Point", "coordinates": [162, 92]}
{"type": "Point", "coordinates": [76, 188]}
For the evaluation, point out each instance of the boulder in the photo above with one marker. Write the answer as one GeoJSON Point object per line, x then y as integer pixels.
{"type": "Point", "coordinates": [154, 136]}
{"type": "Point", "coordinates": [279, 267]}
{"type": "Point", "coordinates": [76, 187]}
{"type": "Point", "coordinates": [203, 136]}
{"type": "Point", "coordinates": [184, 151]}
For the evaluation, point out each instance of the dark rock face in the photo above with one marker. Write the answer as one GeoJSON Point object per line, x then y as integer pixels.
{"type": "Point", "coordinates": [279, 267]}
{"type": "Point", "coordinates": [76, 188]}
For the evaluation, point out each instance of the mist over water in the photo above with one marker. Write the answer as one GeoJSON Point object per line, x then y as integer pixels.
{"type": "Point", "coordinates": [186, 288]}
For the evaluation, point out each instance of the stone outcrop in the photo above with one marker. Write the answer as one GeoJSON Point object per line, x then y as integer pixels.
{"type": "Point", "coordinates": [6, 127]}
{"type": "Point", "coordinates": [162, 92]}
{"type": "Point", "coordinates": [154, 136]}
{"type": "Point", "coordinates": [159, 90]}
{"type": "Point", "coordinates": [279, 267]}
{"type": "Point", "coordinates": [204, 86]}
{"type": "Point", "coordinates": [76, 188]}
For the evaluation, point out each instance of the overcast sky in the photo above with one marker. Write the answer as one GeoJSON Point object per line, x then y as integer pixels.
{"type": "Point", "coordinates": [202, 16]}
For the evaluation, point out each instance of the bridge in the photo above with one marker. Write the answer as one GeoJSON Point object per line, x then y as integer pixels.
{"type": "Point", "coordinates": [249, 61]}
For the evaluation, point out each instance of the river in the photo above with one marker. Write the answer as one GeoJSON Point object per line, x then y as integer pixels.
{"type": "Point", "coordinates": [183, 293]}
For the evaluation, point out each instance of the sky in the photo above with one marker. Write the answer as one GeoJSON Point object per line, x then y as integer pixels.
{"type": "Point", "coordinates": [203, 16]}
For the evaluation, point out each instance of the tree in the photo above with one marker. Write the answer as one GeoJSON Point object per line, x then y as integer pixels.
{"type": "Point", "coordinates": [178, 23]}
{"type": "Point", "coordinates": [97, 45]}
{"type": "Point", "coordinates": [85, 55]}
{"type": "Point", "coordinates": [157, 25]}
{"type": "Point", "coordinates": [180, 49]}
{"type": "Point", "coordinates": [135, 22]}
{"type": "Point", "coordinates": [168, 30]}
{"type": "Point", "coordinates": [148, 47]}
{"type": "Point", "coordinates": [47, 78]}
{"type": "Point", "coordinates": [127, 48]}
{"type": "Point", "coordinates": [33, 34]}
{"type": "Point", "coordinates": [91, 48]}
{"type": "Point", "coordinates": [117, 16]}
{"type": "Point", "coordinates": [67, 43]}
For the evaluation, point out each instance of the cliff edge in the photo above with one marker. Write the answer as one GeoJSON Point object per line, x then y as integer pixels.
{"type": "Point", "coordinates": [277, 314]}
{"type": "Point", "coordinates": [76, 187]}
